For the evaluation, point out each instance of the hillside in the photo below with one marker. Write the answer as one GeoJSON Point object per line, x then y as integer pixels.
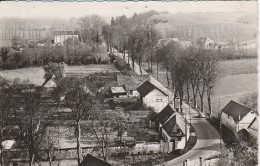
{"type": "Point", "coordinates": [218, 26]}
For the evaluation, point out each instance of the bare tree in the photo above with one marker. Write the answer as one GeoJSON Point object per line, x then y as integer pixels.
{"type": "Point", "coordinates": [78, 97]}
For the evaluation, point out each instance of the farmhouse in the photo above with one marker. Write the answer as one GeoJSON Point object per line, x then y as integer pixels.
{"type": "Point", "coordinates": [236, 116]}
{"type": "Point", "coordinates": [153, 94]}
{"type": "Point", "coordinates": [118, 92]}
{"type": "Point", "coordinates": [173, 127]}
{"type": "Point", "coordinates": [253, 128]}
{"type": "Point", "coordinates": [131, 83]}
{"type": "Point", "coordinates": [61, 36]}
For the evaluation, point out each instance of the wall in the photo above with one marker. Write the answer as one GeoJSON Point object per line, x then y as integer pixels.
{"type": "Point", "coordinates": [152, 100]}
{"type": "Point", "coordinates": [62, 38]}
{"type": "Point", "coordinates": [246, 120]}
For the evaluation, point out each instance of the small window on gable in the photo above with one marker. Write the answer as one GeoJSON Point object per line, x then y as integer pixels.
{"type": "Point", "coordinates": [228, 116]}
{"type": "Point", "coordinates": [158, 100]}
{"type": "Point", "coordinates": [252, 112]}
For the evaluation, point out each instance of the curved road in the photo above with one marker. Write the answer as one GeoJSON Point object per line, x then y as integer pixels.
{"type": "Point", "coordinates": [208, 139]}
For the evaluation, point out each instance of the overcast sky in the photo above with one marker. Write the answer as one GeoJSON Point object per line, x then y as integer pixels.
{"type": "Point", "coordinates": [108, 9]}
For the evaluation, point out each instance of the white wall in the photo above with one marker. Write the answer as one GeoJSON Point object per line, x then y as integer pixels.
{"type": "Point", "coordinates": [156, 99]}
{"type": "Point", "coordinates": [246, 121]}
{"type": "Point", "coordinates": [62, 38]}
{"type": "Point", "coordinates": [242, 124]}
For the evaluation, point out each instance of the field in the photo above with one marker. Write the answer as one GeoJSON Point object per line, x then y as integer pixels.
{"type": "Point", "coordinates": [236, 79]}
{"type": "Point", "coordinates": [35, 75]}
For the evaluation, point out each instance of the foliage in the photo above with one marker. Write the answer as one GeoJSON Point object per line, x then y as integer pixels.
{"type": "Point", "coordinates": [250, 101]}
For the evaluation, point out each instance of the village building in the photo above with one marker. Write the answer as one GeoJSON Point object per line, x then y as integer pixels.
{"type": "Point", "coordinates": [154, 95]}
{"type": "Point", "coordinates": [131, 83]}
{"type": "Point", "coordinates": [61, 36]}
{"type": "Point", "coordinates": [205, 42]}
{"type": "Point", "coordinates": [253, 128]}
{"type": "Point", "coordinates": [90, 160]}
{"type": "Point", "coordinates": [236, 116]}
{"type": "Point", "coordinates": [116, 92]}
{"type": "Point", "coordinates": [173, 128]}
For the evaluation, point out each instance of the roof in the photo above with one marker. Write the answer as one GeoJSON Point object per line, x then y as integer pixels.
{"type": "Point", "coordinates": [131, 82]}
{"type": "Point", "coordinates": [90, 160]}
{"type": "Point", "coordinates": [66, 33]}
{"type": "Point", "coordinates": [254, 125]}
{"type": "Point", "coordinates": [176, 122]}
{"type": "Point", "coordinates": [150, 85]}
{"type": "Point", "coordinates": [235, 110]}
{"type": "Point", "coordinates": [118, 90]}
{"type": "Point", "coordinates": [165, 114]}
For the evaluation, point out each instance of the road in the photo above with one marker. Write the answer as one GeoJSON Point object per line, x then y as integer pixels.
{"type": "Point", "coordinates": [136, 66]}
{"type": "Point", "coordinates": [208, 139]}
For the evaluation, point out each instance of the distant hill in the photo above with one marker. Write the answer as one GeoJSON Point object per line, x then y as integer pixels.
{"type": "Point", "coordinates": [218, 26]}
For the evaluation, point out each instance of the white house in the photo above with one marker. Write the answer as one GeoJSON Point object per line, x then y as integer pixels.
{"type": "Point", "coordinates": [173, 127]}
{"type": "Point", "coordinates": [236, 116]}
{"type": "Point", "coordinates": [131, 83]}
{"type": "Point", "coordinates": [61, 36]}
{"type": "Point", "coordinates": [153, 94]}
{"type": "Point", "coordinates": [205, 42]}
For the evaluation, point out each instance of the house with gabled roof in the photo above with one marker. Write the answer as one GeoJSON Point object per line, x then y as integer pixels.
{"type": "Point", "coordinates": [173, 127]}
{"type": "Point", "coordinates": [253, 128]}
{"type": "Point", "coordinates": [153, 94]}
{"type": "Point", "coordinates": [236, 116]}
{"type": "Point", "coordinates": [131, 83]}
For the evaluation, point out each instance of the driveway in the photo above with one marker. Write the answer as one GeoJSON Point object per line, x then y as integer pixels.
{"type": "Point", "coordinates": [208, 139]}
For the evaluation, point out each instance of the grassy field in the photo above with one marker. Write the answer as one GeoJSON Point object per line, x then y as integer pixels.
{"type": "Point", "coordinates": [35, 75]}
{"type": "Point", "coordinates": [237, 78]}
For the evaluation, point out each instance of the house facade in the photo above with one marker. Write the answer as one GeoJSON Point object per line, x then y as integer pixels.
{"type": "Point", "coordinates": [61, 36]}
{"type": "Point", "coordinates": [236, 116]}
{"type": "Point", "coordinates": [153, 94]}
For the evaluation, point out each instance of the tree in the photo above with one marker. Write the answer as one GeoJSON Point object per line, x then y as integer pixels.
{"type": "Point", "coordinates": [79, 99]}
{"type": "Point", "coordinates": [53, 70]}
{"type": "Point", "coordinates": [5, 56]}
{"type": "Point", "coordinates": [31, 115]}
{"type": "Point", "coordinates": [250, 100]}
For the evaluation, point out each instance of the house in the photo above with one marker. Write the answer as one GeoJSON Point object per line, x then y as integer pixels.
{"type": "Point", "coordinates": [90, 160]}
{"type": "Point", "coordinates": [118, 92]}
{"type": "Point", "coordinates": [153, 94]}
{"type": "Point", "coordinates": [131, 83]}
{"type": "Point", "coordinates": [253, 128]}
{"type": "Point", "coordinates": [205, 42]}
{"type": "Point", "coordinates": [176, 130]}
{"type": "Point", "coordinates": [164, 115]}
{"type": "Point", "coordinates": [61, 36]}
{"type": "Point", "coordinates": [164, 42]}
{"type": "Point", "coordinates": [236, 116]}
{"type": "Point", "coordinates": [173, 127]}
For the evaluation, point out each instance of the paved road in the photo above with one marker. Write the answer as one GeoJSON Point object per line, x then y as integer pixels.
{"type": "Point", "coordinates": [136, 66]}
{"type": "Point", "coordinates": [208, 138]}
{"type": "Point", "coordinates": [208, 141]}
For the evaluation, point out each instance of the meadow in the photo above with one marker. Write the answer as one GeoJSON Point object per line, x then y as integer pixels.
{"type": "Point", "coordinates": [35, 75]}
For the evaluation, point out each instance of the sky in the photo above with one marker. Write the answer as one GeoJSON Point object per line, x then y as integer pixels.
{"type": "Point", "coordinates": [109, 9]}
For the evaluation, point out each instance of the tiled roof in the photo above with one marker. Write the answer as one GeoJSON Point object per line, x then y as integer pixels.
{"type": "Point", "coordinates": [131, 82]}
{"type": "Point", "coordinates": [235, 110]}
{"type": "Point", "coordinates": [174, 123]}
{"type": "Point", "coordinates": [118, 90]}
{"type": "Point", "coordinates": [165, 114]}
{"type": "Point", "coordinates": [150, 85]}
{"type": "Point", "coordinates": [90, 160]}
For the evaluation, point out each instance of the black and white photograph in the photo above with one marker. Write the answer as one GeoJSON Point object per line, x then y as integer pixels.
{"type": "Point", "coordinates": [128, 83]}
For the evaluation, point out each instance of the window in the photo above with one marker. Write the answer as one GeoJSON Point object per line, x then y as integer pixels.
{"type": "Point", "coordinates": [158, 100]}
{"type": "Point", "coordinates": [131, 92]}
